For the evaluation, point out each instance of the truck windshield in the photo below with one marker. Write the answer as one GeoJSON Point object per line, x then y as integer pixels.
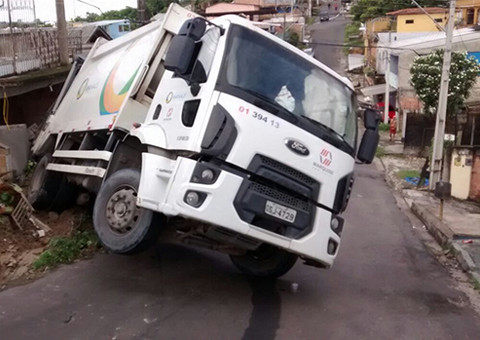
{"type": "Point", "coordinates": [257, 65]}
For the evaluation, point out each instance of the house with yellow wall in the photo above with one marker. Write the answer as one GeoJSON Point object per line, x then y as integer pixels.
{"type": "Point", "coordinates": [415, 20]}
{"type": "Point", "coordinates": [469, 11]}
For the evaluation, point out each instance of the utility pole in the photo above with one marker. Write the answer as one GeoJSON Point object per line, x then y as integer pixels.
{"type": "Point", "coordinates": [141, 12]}
{"type": "Point", "coordinates": [309, 11]}
{"type": "Point", "coordinates": [437, 157]}
{"type": "Point", "coordinates": [387, 83]}
{"type": "Point", "coordinates": [62, 32]}
{"type": "Point", "coordinates": [14, 45]}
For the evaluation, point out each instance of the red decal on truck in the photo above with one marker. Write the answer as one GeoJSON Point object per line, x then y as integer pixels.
{"type": "Point", "coordinates": [325, 157]}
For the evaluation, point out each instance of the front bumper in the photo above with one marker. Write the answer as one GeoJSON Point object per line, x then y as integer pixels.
{"type": "Point", "coordinates": [165, 183]}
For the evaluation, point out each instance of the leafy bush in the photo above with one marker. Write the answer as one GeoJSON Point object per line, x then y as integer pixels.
{"type": "Point", "coordinates": [384, 127]}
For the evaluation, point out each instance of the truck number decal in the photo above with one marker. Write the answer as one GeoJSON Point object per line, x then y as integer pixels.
{"type": "Point", "coordinates": [259, 117]}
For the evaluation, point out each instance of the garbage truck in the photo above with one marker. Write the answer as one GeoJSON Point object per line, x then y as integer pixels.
{"type": "Point", "coordinates": [216, 131]}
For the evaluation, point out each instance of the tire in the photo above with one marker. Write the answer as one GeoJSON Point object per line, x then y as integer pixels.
{"type": "Point", "coordinates": [50, 190]}
{"type": "Point", "coordinates": [266, 261]}
{"type": "Point", "coordinates": [121, 226]}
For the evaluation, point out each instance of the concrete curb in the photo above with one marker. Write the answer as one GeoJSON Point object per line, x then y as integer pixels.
{"type": "Point", "coordinates": [444, 236]}
{"type": "Point", "coordinates": [464, 258]}
{"type": "Point", "coordinates": [439, 230]}
{"type": "Point", "coordinates": [379, 164]}
{"type": "Point", "coordinates": [476, 278]}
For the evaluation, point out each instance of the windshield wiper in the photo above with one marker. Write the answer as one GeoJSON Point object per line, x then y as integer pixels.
{"type": "Point", "coordinates": [270, 105]}
{"type": "Point", "coordinates": [328, 128]}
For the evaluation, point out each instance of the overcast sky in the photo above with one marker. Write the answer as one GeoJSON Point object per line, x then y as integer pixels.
{"type": "Point", "coordinates": [45, 9]}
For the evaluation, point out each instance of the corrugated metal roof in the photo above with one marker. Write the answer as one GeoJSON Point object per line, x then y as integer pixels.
{"type": "Point", "coordinates": [386, 37]}
{"type": "Point", "coordinates": [432, 40]}
{"type": "Point", "coordinates": [375, 90]}
{"type": "Point", "coordinates": [416, 10]}
{"type": "Point", "coordinates": [230, 8]}
{"type": "Point", "coordinates": [108, 22]}
{"type": "Point", "coordinates": [355, 61]}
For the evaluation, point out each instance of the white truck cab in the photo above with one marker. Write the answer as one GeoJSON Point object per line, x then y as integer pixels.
{"type": "Point", "coordinates": [219, 131]}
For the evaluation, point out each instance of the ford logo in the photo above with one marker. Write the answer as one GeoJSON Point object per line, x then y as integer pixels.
{"type": "Point", "coordinates": [297, 147]}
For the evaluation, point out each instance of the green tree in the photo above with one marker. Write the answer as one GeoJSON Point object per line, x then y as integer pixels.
{"type": "Point", "coordinates": [158, 6]}
{"type": "Point", "coordinates": [426, 73]}
{"type": "Point", "coordinates": [89, 17]}
{"type": "Point", "coordinates": [364, 10]}
{"type": "Point", "coordinates": [126, 13]}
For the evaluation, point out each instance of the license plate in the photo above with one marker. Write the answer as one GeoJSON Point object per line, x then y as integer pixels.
{"type": "Point", "coordinates": [279, 211]}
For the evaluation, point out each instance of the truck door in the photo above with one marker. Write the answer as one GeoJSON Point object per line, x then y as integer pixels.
{"type": "Point", "coordinates": [174, 108]}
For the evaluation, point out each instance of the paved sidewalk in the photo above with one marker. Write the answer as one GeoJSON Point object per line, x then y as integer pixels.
{"type": "Point", "coordinates": [460, 227]}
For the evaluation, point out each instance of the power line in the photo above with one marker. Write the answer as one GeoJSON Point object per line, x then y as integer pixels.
{"type": "Point", "coordinates": [86, 3]}
{"type": "Point", "coordinates": [359, 46]}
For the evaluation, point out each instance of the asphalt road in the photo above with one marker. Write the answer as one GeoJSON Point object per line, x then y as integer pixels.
{"type": "Point", "coordinates": [384, 284]}
{"type": "Point", "coordinates": [326, 36]}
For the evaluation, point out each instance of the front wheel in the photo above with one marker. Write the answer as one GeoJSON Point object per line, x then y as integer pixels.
{"type": "Point", "coordinates": [266, 261]}
{"type": "Point", "coordinates": [121, 226]}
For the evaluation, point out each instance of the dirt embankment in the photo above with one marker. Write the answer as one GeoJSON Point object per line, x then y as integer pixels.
{"type": "Point", "coordinates": [19, 249]}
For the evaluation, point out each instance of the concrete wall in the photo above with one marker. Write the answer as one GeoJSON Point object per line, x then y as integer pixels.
{"type": "Point", "coordinates": [475, 180]}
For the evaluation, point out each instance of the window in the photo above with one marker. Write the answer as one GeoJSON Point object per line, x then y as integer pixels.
{"type": "Point", "coordinates": [409, 21]}
{"type": "Point", "coordinates": [470, 16]}
{"type": "Point", "coordinates": [438, 20]}
{"type": "Point", "coordinates": [124, 28]}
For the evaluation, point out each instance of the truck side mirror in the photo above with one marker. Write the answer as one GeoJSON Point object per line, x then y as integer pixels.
{"type": "Point", "coordinates": [368, 145]}
{"type": "Point", "coordinates": [180, 54]}
{"type": "Point", "coordinates": [371, 119]}
{"type": "Point", "coordinates": [183, 51]}
{"type": "Point", "coordinates": [193, 28]}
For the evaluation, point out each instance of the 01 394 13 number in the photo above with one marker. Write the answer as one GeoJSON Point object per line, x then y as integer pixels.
{"type": "Point", "coordinates": [259, 117]}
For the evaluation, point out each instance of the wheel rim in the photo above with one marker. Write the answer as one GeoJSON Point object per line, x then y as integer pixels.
{"type": "Point", "coordinates": [122, 212]}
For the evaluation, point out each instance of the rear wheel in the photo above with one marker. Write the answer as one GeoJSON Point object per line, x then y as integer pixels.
{"type": "Point", "coordinates": [266, 261]}
{"type": "Point", "coordinates": [50, 190]}
{"type": "Point", "coordinates": [123, 227]}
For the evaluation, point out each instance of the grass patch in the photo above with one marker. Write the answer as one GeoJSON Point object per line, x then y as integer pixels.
{"type": "Point", "coordinates": [310, 20]}
{"type": "Point", "coordinates": [380, 152]}
{"type": "Point", "coordinates": [66, 249]}
{"type": "Point", "coordinates": [476, 284]}
{"type": "Point", "coordinates": [352, 30]}
{"type": "Point", "coordinates": [384, 127]}
{"type": "Point", "coordinates": [408, 173]}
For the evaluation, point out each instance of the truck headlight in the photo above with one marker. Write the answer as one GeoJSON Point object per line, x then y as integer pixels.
{"type": "Point", "coordinates": [194, 198]}
{"type": "Point", "coordinates": [336, 224]}
{"type": "Point", "coordinates": [208, 175]}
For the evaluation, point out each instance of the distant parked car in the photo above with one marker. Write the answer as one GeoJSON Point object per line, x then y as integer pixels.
{"type": "Point", "coordinates": [324, 16]}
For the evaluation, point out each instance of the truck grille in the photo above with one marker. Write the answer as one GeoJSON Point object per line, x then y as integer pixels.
{"type": "Point", "coordinates": [287, 170]}
{"type": "Point", "coordinates": [297, 203]}
{"type": "Point", "coordinates": [273, 181]}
